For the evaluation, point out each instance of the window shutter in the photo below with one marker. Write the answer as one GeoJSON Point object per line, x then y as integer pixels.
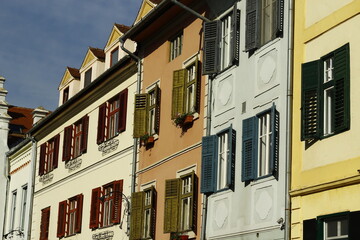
{"type": "Point", "coordinates": [153, 212]}
{"type": "Point", "coordinates": [44, 225]}
{"type": "Point", "coordinates": [137, 209]}
{"type": "Point", "coordinates": [95, 207]}
{"type": "Point", "coordinates": [101, 123]}
{"type": "Point", "coordinates": [274, 148]}
{"type": "Point", "coordinates": [56, 150]}
{"type": "Point", "coordinates": [116, 213]}
{"type": "Point", "coordinates": [310, 101]}
{"type": "Point", "coordinates": [194, 197]}
{"type": "Point", "coordinates": [235, 36]}
{"type": "Point", "coordinates": [208, 163]}
{"type": "Point", "coordinates": [249, 149]}
{"type": "Point", "coordinates": [67, 143]}
{"type": "Point", "coordinates": [171, 211]}
{"type": "Point", "coordinates": [62, 219]}
{"type": "Point", "coordinates": [140, 114]}
{"type": "Point", "coordinates": [42, 159]}
{"type": "Point", "coordinates": [178, 92]}
{"type": "Point", "coordinates": [252, 19]}
{"type": "Point", "coordinates": [231, 163]}
{"type": "Point", "coordinates": [278, 23]}
{"type": "Point", "coordinates": [310, 229]}
{"type": "Point", "coordinates": [84, 135]}
{"type": "Point", "coordinates": [197, 94]}
{"type": "Point", "coordinates": [157, 108]}
{"type": "Point", "coordinates": [211, 47]}
{"type": "Point", "coordinates": [123, 110]}
{"type": "Point", "coordinates": [79, 207]}
{"type": "Point", "coordinates": [342, 89]}
{"type": "Point", "coordinates": [354, 230]}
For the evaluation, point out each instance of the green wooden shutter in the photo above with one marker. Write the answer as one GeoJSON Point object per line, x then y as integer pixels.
{"type": "Point", "coordinates": [137, 212]}
{"type": "Point", "coordinates": [157, 108]}
{"type": "Point", "coordinates": [310, 101]}
{"type": "Point", "coordinates": [252, 19]}
{"type": "Point", "coordinates": [211, 47]}
{"type": "Point", "coordinates": [342, 89]}
{"type": "Point", "coordinates": [249, 149]}
{"type": "Point", "coordinates": [274, 147]}
{"type": "Point", "coordinates": [235, 36]}
{"type": "Point", "coordinates": [140, 114]}
{"type": "Point", "coordinates": [208, 163]}
{"type": "Point", "coordinates": [354, 230]}
{"type": "Point", "coordinates": [197, 89]}
{"type": "Point", "coordinates": [153, 212]}
{"type": "Point", "coordinates": [310, 229]}
{"type": "Point", "coordinates": [230, 181]}
{"type": "Point", "coordinates": [62, 219]}
{"type": "Point", "coordinates": [194, 198]}
{"type": "Point", "coordinates": [178, 92]}
{"type": "Point", "coordinates": [278, 16]}
{"type": "Point", "coordinates": [171, 211]}
{"type": "Point", "coordinates": [79, 207]}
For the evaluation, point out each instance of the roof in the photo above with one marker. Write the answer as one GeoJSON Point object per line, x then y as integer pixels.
{"type": "Point", "coordinates": [99, 53]}
{"type": "Point", "coordinates": [122, 28]}
{"type": "Point", "coordinates": [20, 124]}
{"type": "Point", "coordinates": [74, 72]}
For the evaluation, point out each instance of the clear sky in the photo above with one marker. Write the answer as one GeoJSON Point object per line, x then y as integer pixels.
{"type": "Point", "coordinates": [40, 38]}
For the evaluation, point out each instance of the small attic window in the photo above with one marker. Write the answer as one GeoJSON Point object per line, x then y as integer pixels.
{"type": "Point", "coordinates": [114, 57]}
{"type": "Point", "coordinates": [65, 95]}
{"type": "Point", "coordinates": [88, 77]}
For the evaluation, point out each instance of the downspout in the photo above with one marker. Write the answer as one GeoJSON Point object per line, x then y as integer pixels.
{"type": "Point", "coordinates": [7, 173]}
{"type": "Point", "coordinates": [32, 185]}
{"type": "Point", "coordinates": [186, 8]}
{"type": "Point", "coordinates": [289, 101]}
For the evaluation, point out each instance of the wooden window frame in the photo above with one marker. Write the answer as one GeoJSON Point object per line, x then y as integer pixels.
{"type": "Point", "coordinates": [49, 153]}
{"type": "Point", "coordinates": [113, 115]}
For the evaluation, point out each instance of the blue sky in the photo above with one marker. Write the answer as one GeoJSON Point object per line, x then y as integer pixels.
{"type": "Point", "coordinates": [40, 38]}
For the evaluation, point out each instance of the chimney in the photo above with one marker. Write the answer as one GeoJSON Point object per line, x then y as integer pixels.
{"type": "Point", "coordinates": [38, 114]}
{"type": "Point", "coordinates": [4, 118]}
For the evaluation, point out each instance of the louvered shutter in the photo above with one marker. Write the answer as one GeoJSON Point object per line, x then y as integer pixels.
{"type": "Point", "coordinates": [44, 225]}
{"type": "Point", "coordinates": [197, 94]}
{"type": "Point", "coordinates": [310, 101]}
{"type": "Point", "coordinates": [342, 89]}
{"type": "Point", "coordinates": [178, 92]}
{"type": "Point", "coordinates": [230, 181]}
{"type": "Point", "coordinates": [67, 143]}
{"type": "Point", "coordinates": [208, 163]}
{"type": "Point", "coordinates": [278, 19]}
{"type": "Point", "coordinates": [153, 212]}
{"type": "Point", "coordinates": [249, 149]}
{"type": "Point", "coordinates": [116, 212]}
{"type": "Point", "coordinates": [235, 36]}
{"type": "Point", "coordinates": [56, 150]}
{"type": "Point", "coordinates": [101, 124]}
{"type": "Point", "coordinates": [274, 147]}
{"type": "Point", "coordinates": [140, 114]}
{"type": "Point", "coordinates": [157, 108]}
{"type": "Point", "coordinates": [79, 209]}
{"type": "Point", "coordinates": [42, 159]}
{"type": "Point", "coordinates": [211, 53]}
{"type": "Point", "coordinates": [84, 135]}
{"type": "Point", "coordinates": [354, 230]}
{"type": "Point", "coordinates": [62, 219]}
{"type": "Point", "coordinates": [171, 211]}
{"type": "Point", "coordinates": [310, 229]}
{"type": "Point", "coordinates": [95, 207]}
{"type": "Point", "coordinates": [137, 209]}
{"type": "Point", "coordinates": [194, 202]}
{"type": "Point", "coordinates": [252, 19]}
{"type": "Point", "coordinates": [123, 110]}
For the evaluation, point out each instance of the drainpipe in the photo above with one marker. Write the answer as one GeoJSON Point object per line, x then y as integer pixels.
{"type": "Point", "coordinates": [289, 121]}
{"type": "Point", "coordinates": [6, 195]}
{"type": "Point", "coordinates": [186, 8]}
{"type": "Point", "coordinates": [32, 186]}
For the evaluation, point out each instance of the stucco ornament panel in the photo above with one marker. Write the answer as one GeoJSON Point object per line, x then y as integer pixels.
{"type": "Point", "coordinates": [46, 178]}
{"type": "Point", "coordinates": [224, 93]}
{"type": "Point", "coordinates": [221, 213]}
{"type": "Point", "coordinates": [106, 235]}
{"type": "Point", "coordinates": [73, 164]}
{"type": "Point", "coordinates": [264, 203]}
{"type": "Point", "coordinates": [108, 146]}
{"type": "Point", "coordinates": [267, 70]}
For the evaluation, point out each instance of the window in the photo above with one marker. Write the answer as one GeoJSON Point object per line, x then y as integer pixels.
{"type": "Point", "coordinates": [180, 204]}
{"type": "Point", "coordinates": [106, 205]}
{"type": "Point", "coordinates": [88, 74]}
{"type": "Point", "coordinates": [49, 155]}
{"type": "Point", "coordinates": [147, 112]}
{"type": "Point", "coordinates": [221, 43]}
{"type": "Point", "coordinates": [326, 95]}
{"type": "Point", "coordinates": [23, 207]}
{"type": "Point", "coordinates": [75, 139]}
{"type": "Point", "coordinates": [44, 225]}
{"type": "Point", "coordinates": [114, 57]}
{"type": "Point", "coordinates": [143, 214]}
{"type": "Point", "coordinates": [70, 216]}
{"type": "Point", "coordinates": [13, 211]}
{"type": "Point", "coordinates": [65, 95]}
{"type": "Point", "coordinates": [260, 143]}
{"type": "Point", "coordinates": [218, 161]}
{"type": "Point", "coordinates": [112, 117]}
{"type": "Point", "coordinates": [176, 45]}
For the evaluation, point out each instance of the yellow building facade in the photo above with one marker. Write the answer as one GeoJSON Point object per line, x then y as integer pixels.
{"type": "Point", "coordinates": [325, 182]}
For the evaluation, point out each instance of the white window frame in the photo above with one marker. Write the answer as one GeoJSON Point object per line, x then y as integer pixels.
{"type": "Point", "coordinates": [338, 221]}
{"type": "Point", "coordinates": [225, 41]}
{"type": "Point", "coordinates": [176, 45]}
{"type": "Point", "coordinates": [23, 206]}
{"type": "Point", "coordinates": [267, 7]}
{"type": "Point", "coordinates": [107, 205]}
{"type": "Point", "coordinates": [185, 202]}
{"type": "Point", "coordinates": [264, 144]}
{"type": "Point", "coordinates": [328, 95]}
{"type": "Point", "coordinates": [223, 160]}
{"type": "Point", "coordinates": [13, 210]}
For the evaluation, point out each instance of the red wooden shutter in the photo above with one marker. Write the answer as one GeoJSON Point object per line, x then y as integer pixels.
{"type": "Point", "coordinates": [42, 159]}
{"type": "Point", "coordinates": [122, 112]}
{"type": "Point", "coordinates": [67, 143]}
{"type": "Point", "coordinates": [62, 219]}
{"type": "Point", "coordinates": [116, 211]}
{"type": "Point", "coordinates": [56, 150]}
{"type": "Point", "coordinates": [101, 123]}
{"type": "Point", "coordinates": [95, 207]}
{"type": "Point", "coordinates": [79, 206]}
{"type": "Point", "coordinates": [84, 135]}
{"type": "Point", "coordinates": [44, 225]}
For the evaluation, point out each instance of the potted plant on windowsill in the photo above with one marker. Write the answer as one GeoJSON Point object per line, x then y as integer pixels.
{"type": "Point", "coordinates": [147, 139]}
{"type": "Point", "coordinates": [183, 119]}
{"type": "Point", "coordinates": [178, 236]}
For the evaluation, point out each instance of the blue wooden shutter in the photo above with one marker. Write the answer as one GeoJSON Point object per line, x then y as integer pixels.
{"type": "Point", "coordinates": [274, 148]}
{"type": "Point", "coordinates": [252, 19]}
{"type": "Point", "coordinates": [231, 158]}
{"type": "Point", "coordinates": [208, 164]}
{"type": "Point", "coordinates": [235, 37]}
{"type": "Point", "coordinates": [249, 149]}
{"type": "Point", "coordinates": [211, 47]}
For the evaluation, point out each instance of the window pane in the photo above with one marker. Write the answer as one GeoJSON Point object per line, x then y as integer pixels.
{"type": "Point", "coordinates": [222, 160]}
{"type": "Point", "coordinates": [114, 57]}
{"type": "Point", "coordinates": [332, 229]}
{"type": "Point", "coordinates": [344, 227]}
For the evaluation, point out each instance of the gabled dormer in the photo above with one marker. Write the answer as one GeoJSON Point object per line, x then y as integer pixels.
{"type": "Point", "coordinates": [146, 7]}
{"type": "Point", "coordinates": [92, 66]}
{"type": "Point", "coordinates": [113, 51]}
{"type": "Point", "coordinates": [70, 84]}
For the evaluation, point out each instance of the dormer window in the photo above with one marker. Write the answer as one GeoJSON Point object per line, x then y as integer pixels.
{"type": "Point", "coordinates": [114, 57]}
{"type": "Point", "coordinates": [65, 95]}
{"type": "Point", "coordinates": [88, 77]}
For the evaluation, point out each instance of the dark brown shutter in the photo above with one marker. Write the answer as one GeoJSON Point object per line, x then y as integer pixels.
{"type": "Point", "coordinates": [123, 96]}
{"type": "Point", "coordinates": [56, 150]}
{"type": "Point", "coordinates": [44, 225]}
{"type": "Point", "coordinates": [101, 123]}
{"type": "Point", "coordinates": [79, 207]}
{"type": "Point", "coordinates": [67, 143]}
{"type": "Point", "coordinates": [84, 135]}
{"type": "Point", "coordinates": [157, 109]}
{"type": "Point", "coordinates": [116, 212]}
{"type": "Point", "coordinates": [42, 159]}
{"type": "Point", "coordinates": [61, 219]}
{"type": "Point", "coordinates": [95, 207]}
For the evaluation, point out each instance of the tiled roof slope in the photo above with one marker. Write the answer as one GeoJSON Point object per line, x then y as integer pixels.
{"type": "Point", "coordinates": [20, 124]}
{"type": "Point", "coordinates": [99, 53]}
{"type": "Point", "coordinates": [74, 72]}
{"type": "Point", "coordinates": [122, 28]}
